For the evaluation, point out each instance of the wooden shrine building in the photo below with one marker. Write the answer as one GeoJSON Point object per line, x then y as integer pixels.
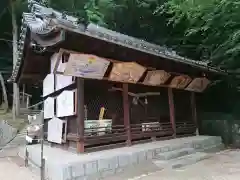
{"type": "Point", "coordinates": [104, 88]}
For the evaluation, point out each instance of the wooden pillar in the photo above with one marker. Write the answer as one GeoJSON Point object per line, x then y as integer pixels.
{"type": "Point", "coordinates": [80, 115]}
{"type": "Point", "coordinates": [194, 111]}
{"type": "Point", "coordinates": [172, 110]}
{"type": "Point", "coordinates": [126, 114]}
{"type": "Point", "coordinates": [27, 103]}
{"type": "Point", "coordinates": [23, 95]}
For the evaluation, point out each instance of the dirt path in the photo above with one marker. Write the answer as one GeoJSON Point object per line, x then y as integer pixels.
{"type": "Point", "coordinates": [222, 166]}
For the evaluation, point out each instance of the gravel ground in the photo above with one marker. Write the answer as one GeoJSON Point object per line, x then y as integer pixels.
{"type": "Point", "coordinates": [12, 168]}
{"type": "Point", "coordinates": [222, 166]}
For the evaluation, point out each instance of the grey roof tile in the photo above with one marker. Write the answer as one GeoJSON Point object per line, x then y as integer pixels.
{"type": "Point", "coordinates": [39, 21]}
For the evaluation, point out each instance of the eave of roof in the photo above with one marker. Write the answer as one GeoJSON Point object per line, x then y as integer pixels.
{"type": "Point", "coordinates": [42, 20]}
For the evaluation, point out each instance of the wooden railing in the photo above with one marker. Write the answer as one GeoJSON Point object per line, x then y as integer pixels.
{"type": "Point", "coordinates": [101, 135]}
{"type": "Point", "coordinates": [118, 133]}
{"type": "Point", "coordinates": [98, 135]}
{"type": "Point", "coordinates": [185, 128]}
{"type": "Point", "coordinates": [149, 130]}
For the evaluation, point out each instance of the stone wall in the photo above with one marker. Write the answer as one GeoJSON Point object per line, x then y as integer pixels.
{"type": "Point", "coordinates": [64, 165]}
{"type": "Point", "coordinates": [225, 126]}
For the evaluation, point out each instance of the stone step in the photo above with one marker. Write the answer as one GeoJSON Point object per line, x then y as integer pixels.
{"type": "Point", "coordinates": [22, 134]}
{"type": "Point", "coordinates": [18, 142]}
{"type": "Point", "coordinates": [182, 161]}
{"type": "Point", "coordinates": [29, 112]}
{"type": "Point", "coordinates": [214, 148]}
{"type": "Point", "coordinates": [18, 139]}
{"type": "Point", "coordinates": [9, 146]}
{"type": "Point", "coordinates": [9, 152]}
{"type": "Point", "coordinates": [135, 172]}
{"type": "Point", "coordinates": [174, 154]}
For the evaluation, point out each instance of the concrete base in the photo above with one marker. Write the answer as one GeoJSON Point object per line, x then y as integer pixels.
{"type": "Point", "coordinates": [63, 165]}
{"type": "Point", "coordinates": [182, 161]}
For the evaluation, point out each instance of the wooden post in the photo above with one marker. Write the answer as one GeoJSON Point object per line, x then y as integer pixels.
{"type": "Point", "coordinates": [28, 102]}
{"type": "Point", "coordinates": [15, 106]}
{"type": "Point", "coordinates": [80, 114]}
{"type": "Point", "coordinates": [194, 111]}
{"type": "Point", "coordinates": [4, 91]}
{"type": "Point", "coordinates": [126, 115]}
{"type": "Point", "coordinates": [42, 167]}
{"type": "Point", "coordinates": [172, 110]}
{"type": "Point", "coordinates": [26, 157]}
{"type": "Point", "coordinates": [23, 94]}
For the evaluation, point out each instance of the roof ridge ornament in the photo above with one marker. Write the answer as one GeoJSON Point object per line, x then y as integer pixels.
{"type": "Point", "coordinates": [40, 2]}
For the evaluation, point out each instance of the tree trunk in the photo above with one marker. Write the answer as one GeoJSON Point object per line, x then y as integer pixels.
{"type": "Point", "coordinates": [4, 92]}
{"type": "Point", "coordinates": [15, 56]}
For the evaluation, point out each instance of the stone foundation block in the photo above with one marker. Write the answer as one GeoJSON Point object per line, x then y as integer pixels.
{"type": "Point", "coordinates": [91, 167]}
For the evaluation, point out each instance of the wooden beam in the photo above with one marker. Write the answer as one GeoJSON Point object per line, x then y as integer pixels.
{"type": "Point", "coordinates": [80, 115]}
{"type": "Point", "coordinates": [172, 110]}
{"type": "Point", "coordinates": [31, 76]}
{"type": "Point", "coordinates": [75, 52]}
{"type": "Point", "coordinates": [126, 114]}
{"type": "Point", "coordinates": [138, 95]}
{"type": "Point", "coordinates": [194, 111]}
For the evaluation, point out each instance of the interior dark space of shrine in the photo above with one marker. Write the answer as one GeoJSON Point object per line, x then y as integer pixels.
{"type": "Point", "coordinates": [149, 110]}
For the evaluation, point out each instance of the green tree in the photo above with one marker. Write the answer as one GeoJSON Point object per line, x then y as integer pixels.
{"type": "Point", "coordinates": [206, 30]}
{"type": "Point", "coordinates": [211, 31]}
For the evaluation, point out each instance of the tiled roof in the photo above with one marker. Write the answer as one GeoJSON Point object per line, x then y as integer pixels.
{"type": "Point", "coordinates": [20, 50]}
{"type": "Point", "coordinates": [42, 20]}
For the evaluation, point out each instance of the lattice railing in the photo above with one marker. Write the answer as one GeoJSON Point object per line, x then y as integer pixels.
{"type": "Point", "coordinates": [148, 130]}
{"type": "Point", "coordinates": [187, 127]}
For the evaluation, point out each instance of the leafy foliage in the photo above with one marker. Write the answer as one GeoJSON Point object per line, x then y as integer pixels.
{"type": "Point", "coordinates": [212, 30]}
{"type": "Point", "coordinates": [207, 30]}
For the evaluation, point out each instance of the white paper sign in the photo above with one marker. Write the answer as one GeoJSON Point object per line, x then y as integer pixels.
{"type": "Point", "coordinates": [48, 85]}
{"type": "Point", "coordinates": [65, 104]}
{"type": "Point", "coordinates": [48, 108]}
{"type": "Point", "coordinates": [63, 81]}
{"type": "Point", "coordinates": [55, 130]}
